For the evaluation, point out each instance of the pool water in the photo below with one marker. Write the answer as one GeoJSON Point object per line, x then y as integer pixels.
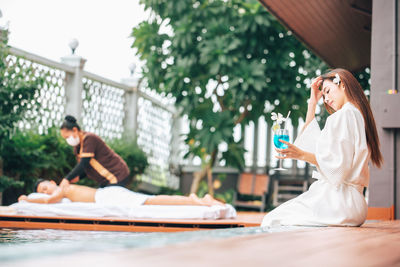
{"type": "Point", "coordinates": [28, 244]}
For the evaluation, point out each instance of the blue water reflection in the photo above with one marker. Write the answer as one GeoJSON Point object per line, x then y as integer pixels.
{"type": "Point", "coordinates": [25, 244]}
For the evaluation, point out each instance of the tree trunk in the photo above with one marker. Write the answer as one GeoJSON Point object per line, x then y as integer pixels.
{"type": "Point", "coordinates": [209, 181]}
{"type": "Point", "coordinates": [197, 176]}
{"type": "Point", "coordinates": [206, 170]}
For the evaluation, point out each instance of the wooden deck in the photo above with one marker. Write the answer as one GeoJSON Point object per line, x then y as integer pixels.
{"type": "Point", "coordinates": [122, 224]}
{"type": "Point", "coordinates": [373, 244]}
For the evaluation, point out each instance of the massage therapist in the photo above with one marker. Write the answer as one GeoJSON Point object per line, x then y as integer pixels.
{"type": "Point", "coordinates": [95, 159]}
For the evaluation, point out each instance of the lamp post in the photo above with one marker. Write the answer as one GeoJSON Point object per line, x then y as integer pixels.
{"type": "Point", "coordinates": [73, 44]}
{"type": "Point", "coordinates": [131, 99]}
{"type": "Point", "coordinates": [131, 80]}
{"type": "Point", "coordinates": [73, 81]}
{"type": "Point", "coordinates": [132, 68]}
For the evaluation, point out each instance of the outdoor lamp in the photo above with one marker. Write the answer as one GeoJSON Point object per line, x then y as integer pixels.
{"type": "Point", "coordinates": [73, 44]}
{"type": "Point", "coordinates": [132, 68]}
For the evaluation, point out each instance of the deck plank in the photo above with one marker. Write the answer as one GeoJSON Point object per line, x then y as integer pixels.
{"type": "Point", "coordinates": [373, 244]}
{"type": "Point", "coordinates": [117, 224]}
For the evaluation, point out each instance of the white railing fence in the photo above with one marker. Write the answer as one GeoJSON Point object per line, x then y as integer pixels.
{"type": "Point", "coordinates": [105, 107]}
{"type": "Point", "coordinates": [260, 153]}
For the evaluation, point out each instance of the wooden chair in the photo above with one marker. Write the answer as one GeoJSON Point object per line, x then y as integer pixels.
{"type": "Point", "coordinates": [252, 185]}
{"type": "Point", "coordinates": [286, 189]}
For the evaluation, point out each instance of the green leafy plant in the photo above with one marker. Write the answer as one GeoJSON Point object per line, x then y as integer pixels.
{"type": "Point", "coordinates": [18, 86]}
{"type": "Point", "coordinates": [6, 182]}
{"type": "Point", "coordinates": [29, 155]}
{"type": "Point", "coordinates": [226, 63]}
{"type": "Point", "coordinates": [133, 155]}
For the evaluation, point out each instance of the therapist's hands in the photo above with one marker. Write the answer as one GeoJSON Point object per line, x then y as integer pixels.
{"type": "Point", "coordinates": [64, 182]}
{"type": "Point", "coordinates": [67, 182]}
{"type": "Point", "coordinates": [293, 152]}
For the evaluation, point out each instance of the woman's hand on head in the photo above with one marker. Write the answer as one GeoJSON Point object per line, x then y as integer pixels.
{"type": "Point", "coordinates": [292, 152]}
{"type": "Point", "coordinates": [316, 94]}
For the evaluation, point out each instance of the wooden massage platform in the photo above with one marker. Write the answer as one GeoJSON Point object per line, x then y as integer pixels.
{"type": "Point", "coordinates": [244, 219]}
{"type": "Point", "coordinates": [117, 224]}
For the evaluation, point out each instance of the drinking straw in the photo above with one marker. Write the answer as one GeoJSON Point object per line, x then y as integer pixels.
{"type": "Point", "coordinates": [286, 119]}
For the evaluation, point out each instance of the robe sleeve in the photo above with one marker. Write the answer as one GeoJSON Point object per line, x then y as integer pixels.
{"type": "Point", "coordinates": [308, 137]}
{"type": "Point", "coordinates": [335, 148]}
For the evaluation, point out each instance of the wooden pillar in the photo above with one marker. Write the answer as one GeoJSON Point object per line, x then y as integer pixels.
{"type": "Point", "coordinates": [384, 189]}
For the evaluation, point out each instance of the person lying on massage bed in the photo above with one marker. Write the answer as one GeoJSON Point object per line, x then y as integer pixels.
{"type": "Point", "coordinates": [112, 195]}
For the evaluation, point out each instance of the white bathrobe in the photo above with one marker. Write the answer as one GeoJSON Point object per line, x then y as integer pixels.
{"type": "Point", "coordinates": [335, 199]}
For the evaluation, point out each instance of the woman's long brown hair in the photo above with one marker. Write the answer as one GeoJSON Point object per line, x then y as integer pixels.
{"type": "Point", "coordinates": [356, 96]}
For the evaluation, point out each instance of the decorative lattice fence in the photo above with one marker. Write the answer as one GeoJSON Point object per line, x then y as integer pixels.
{"type": "Point", "coordinates": [51, 96]}
{"type": "Point", "coordinates": [101, 107]}
{"type": "Point", "coordinates": [154, 134]}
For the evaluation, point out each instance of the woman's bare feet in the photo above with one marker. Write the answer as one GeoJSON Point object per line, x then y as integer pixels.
{"type": "Point", "coordinates": [210, 201]}
{"type": "Point", "coordinates": [207, 200]}
{"type": "Point", "coordinates": [196, 199]}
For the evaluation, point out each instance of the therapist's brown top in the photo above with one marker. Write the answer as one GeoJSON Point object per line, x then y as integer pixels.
{"type": "Point", "coordinates": [106, 166]}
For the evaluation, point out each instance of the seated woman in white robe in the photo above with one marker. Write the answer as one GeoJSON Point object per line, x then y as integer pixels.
{"type": "Point", "coordinates": [341, 153]}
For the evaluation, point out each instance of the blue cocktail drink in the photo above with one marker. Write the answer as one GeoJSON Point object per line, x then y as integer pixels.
{"type": "Point", "coordinates": [281, 134]}
{"type": "Point", "coordinates": [279, 144]}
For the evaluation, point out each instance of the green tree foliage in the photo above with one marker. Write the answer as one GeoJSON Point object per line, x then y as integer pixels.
{"type": "Point", "coordinates": [18, 86]}
{"type": "Point", "coordinates": [38, 155]}
{"type": "Point", "coordinates": [132, 154]}
{"type": "Point", "coordinates": [6, 182]}
{"type": "Point", "coordinates": [226, 63]}
{"type": "Point", "coordinates": [29, 155]}
{"type": "Point", "coordinates": [364, 78]}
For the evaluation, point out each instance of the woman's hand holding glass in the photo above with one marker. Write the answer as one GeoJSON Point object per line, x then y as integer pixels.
{"type": "Point", "coordinates": [280, 134]}
{"type": "Point", "coordinates": [291, 152]}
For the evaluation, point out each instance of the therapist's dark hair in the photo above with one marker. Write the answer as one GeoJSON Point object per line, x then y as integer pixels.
{"type": "Point", "coordinates": [69, 123]}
